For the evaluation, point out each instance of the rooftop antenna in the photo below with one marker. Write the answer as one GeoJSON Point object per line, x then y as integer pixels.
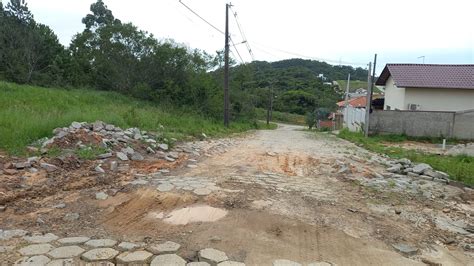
{"type": "Point", "coordinates": [422, 57]}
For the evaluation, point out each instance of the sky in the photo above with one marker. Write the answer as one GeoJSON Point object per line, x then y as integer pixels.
{"type": "Point", "coordinates": [336, 31]}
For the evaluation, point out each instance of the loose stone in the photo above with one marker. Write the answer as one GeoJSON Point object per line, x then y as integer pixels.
{"type": "Point", "coordinates": [101, 196]}
{"type": "Point", "coordinates": [122, 156]}
{"type": "Point", "coordinates": [212, 256]}
{"type": "Point", "coordinates": [405, 249]}
{"type": "Point", "coordinates": [72, 216]}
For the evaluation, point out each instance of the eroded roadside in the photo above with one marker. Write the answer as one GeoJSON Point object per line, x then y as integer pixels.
{"type": "Point", "coordinates": [281, 194]}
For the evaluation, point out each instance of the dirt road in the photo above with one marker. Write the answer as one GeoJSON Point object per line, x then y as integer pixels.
{"type": "Point", "coordinates": [278, 194]}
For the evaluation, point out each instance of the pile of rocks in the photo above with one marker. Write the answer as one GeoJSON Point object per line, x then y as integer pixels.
{"type": "Point", "coordinates": [118, 145]}
{"type": "Point", "coordinates": [404, 167]}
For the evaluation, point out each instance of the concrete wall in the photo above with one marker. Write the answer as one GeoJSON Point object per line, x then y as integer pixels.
{"type": "Point", "coordinates": [424, 124]}
{"type": "Point", "coordinates": [464, 125]}
{"type": "Point", "coordinates": [394, 96]}
{"type": "Point", "coordinates": [437, 99]}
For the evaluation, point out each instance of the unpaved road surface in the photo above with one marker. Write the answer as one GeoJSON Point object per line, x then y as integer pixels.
{"type": "Point", "coordinates": [269, 195]}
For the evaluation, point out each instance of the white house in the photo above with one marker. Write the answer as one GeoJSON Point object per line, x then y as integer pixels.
{"type": "Point", "coordinates": [428, 87]}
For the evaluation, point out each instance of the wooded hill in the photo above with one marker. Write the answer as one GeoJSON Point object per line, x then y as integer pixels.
{"type": "Point", "coordinates": [116, 56]}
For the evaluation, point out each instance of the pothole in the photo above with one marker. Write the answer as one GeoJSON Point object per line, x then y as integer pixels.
{"type": "Point", "coordinates": [192, 214]}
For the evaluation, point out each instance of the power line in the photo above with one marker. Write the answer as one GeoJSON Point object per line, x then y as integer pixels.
{"type": "Point", "coordinates": [214, 27]}
{"type": "Point", "coordinates": [243, 35]}
{"type": "Point", "coordinates": [203, 19]}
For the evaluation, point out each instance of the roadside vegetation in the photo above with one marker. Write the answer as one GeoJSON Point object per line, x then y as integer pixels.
{"type": "Point", "coordinates": [287, 118]}
{"type": "Point", "coordinates": [460, 168]}
{"type": "Point", "coordinates": [29, 113]}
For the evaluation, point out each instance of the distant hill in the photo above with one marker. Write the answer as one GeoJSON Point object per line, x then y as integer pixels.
{"type": "Point", "coordinates": [299, 86]}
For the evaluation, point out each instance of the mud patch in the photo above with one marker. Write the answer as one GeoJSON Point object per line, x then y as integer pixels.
{"type": "Point", "coordinates": [199, 213]}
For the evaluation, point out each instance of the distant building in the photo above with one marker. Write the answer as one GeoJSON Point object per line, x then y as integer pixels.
{"type": "Point", "coordinates": [427, 87]}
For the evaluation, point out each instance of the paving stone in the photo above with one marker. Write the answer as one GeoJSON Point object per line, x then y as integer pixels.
{"type": "Point", "coordinates": [126, 246]}
{"type": "Point", "coordinates": [285, 263]}
{"type": "Point", "coordinates": [164, 248]}
{"type": "Point", "coordinates": [46, 238]}
{"type": "Point", "coordinates": [165, 187]}
{"type": "Point", "coordinates": [202, 191]}
{"type": "Point", "coordinates": [99, 254]}
{"type": "Point", "coordinates": [73, 240]}
{"type": "Point", "coordinates": [101, 243]}
{"type": "Point", "coordinates": [198, 263]}
{"type": "Point", "coordinates": [139, 182]}
{"type": "Point", "coordinates": [7, 234]}
{"type": "Point", "coordinates": [36, 249]}
{"type": "Point", "coordinates": [168, 259]}
{"type": "Point", "coordinates": [231, 263]}
{"type": "Point", "coordinates": [4, 249]}
{"type": "Point", "coordinates": [66, 252]}
{"type": "Point", "coordinates": [134, 257]}
{"type": "Point", "coordinates": [212, 256]}
{"type": "Point", "coordinates": [62, 262]}
{"type": "Point", "coordinates": [33, 261]}
{"type": "Point", "coordinates": [321, 263]}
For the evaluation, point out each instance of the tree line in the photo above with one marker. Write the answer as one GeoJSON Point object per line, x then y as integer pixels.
{"type": "Point", "coordinates": [112, 55]}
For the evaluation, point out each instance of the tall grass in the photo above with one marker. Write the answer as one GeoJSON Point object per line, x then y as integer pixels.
{"type": "Point", "coordinates": [28, 113]}
{"type": "Point", "coordinates": [281, 117]}
{"type": "Point", "coordinates": [460, 168]}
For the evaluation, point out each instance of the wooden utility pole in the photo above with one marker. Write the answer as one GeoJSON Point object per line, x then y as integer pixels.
{"type": "Point", "coordinates": [346, 103]}
{"type": "Point", "coordinates": [270, 106]}
{"type": "Point", "coordinates": [367, 106]}
{"type": "Point", "coordinates": [369, 96]}
{"type": "Point", "coordinates": [226, 68]}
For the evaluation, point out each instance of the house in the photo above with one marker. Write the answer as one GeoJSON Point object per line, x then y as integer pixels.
{"type": "Point", "coordinates": [428, 87]}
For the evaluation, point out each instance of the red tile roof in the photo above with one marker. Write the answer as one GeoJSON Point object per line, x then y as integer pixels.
{"type": "Point", "coordinates": [429, 76]}
{"type": "Point", "coordinates": [355, 102]}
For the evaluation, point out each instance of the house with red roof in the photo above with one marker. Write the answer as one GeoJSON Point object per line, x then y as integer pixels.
{"type": "Point", "coordinates": [428, 87]}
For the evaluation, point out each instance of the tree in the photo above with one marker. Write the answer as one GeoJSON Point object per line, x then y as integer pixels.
{"type": "Point", "coordinates": [29, 49]}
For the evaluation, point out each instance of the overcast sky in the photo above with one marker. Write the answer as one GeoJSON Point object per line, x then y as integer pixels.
{"type": "Point", "coordinates": [337, 30]}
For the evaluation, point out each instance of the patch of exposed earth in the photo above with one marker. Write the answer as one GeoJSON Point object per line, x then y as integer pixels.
{"type": "Point", "coordinates": [281, 194]}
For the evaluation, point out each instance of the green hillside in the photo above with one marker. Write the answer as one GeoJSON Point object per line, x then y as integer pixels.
{"type": "Point", "coordinates": [29, 113]}
{"type": "Point", "coordinates": [353, 85]}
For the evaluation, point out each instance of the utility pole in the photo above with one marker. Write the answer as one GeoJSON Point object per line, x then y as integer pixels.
{"type": "Point", "coordinates": [369, 96]}
{"type": "Point", "coordinates": [270, 107]}
{"type": "Point", "coordinates": [367, 106]}
{"type": "Point", "coordinates": [346, 103]}
{"type": "Point", "coordinates": [226, 68]}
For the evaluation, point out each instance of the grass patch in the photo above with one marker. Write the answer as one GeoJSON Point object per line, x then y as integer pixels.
{"type": "Point", "coordinates": [90, 152]}
{"type": "Point", "coordinates": [29, 113]}
{"type": "Point", "coordinates": [460, 168]}
{"type": "Point", "coordinates": [281, 117]}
